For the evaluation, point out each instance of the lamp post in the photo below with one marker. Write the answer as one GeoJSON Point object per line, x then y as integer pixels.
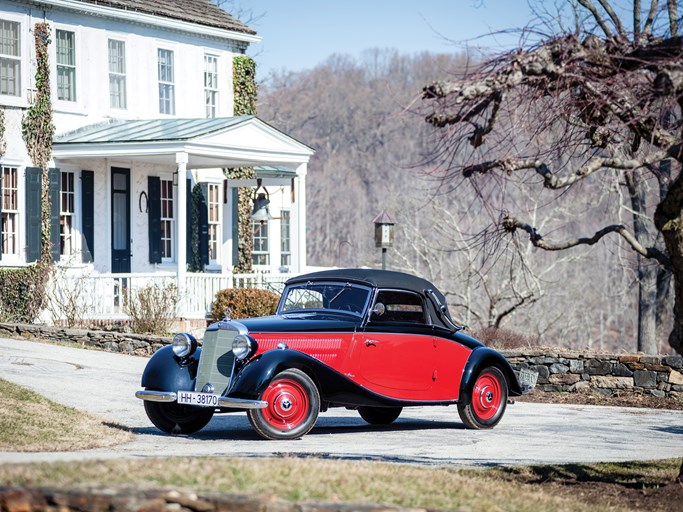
{"type": "Point", "coordinates": [384, 234]}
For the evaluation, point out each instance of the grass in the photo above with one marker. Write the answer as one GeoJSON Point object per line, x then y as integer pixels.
{"type": "Point", "coordinates": [30, 422]}
{"type": "Point", "coordinates": [312, 479]}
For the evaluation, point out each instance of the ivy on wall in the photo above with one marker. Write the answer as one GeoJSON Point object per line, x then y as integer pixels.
{"type": "Point", "coordinates": [245, 92]}
{"type": "Point", "coordinates": [195, 255]}
{"type": "Point", "coordinates": [37, 130]}
{"type": "Point", "coordinates": [3, 141]}
{"type": "Point", "coordinates": [24, 289]}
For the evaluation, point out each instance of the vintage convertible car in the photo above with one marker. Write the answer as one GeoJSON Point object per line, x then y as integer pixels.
{"type": "Point", "coordinates": [371, 340]}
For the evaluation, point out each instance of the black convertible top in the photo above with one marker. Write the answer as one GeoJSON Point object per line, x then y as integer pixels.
{"type": "Point", "coordinates": [381, 279]}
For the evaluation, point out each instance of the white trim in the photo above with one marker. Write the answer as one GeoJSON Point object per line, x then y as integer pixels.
{"type": "Point", "coordinates": [151, 19]}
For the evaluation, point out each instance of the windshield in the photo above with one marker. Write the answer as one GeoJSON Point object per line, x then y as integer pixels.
{"type": "Point", "coordinates": [346, 297]}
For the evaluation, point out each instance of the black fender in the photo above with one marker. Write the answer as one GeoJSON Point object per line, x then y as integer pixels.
{"type": "Point", "coordinates": [479, 359]}
{"type": "Point", "coordinates": [167, 372]}
{"type": "Point", "coordinates": [334, 387]}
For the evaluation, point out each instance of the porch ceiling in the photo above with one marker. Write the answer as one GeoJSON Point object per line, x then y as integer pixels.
{"type": "Point", "coordinates": [243, 141]}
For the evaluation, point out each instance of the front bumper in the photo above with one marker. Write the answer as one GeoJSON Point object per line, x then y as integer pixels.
{"type": "Point", "coordinates": [223, 401]}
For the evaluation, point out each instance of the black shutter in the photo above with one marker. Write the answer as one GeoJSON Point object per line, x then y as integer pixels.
{"type": "Point", "coordinates": [33, 180]}
{"type": "Point", "coordinates": [154, 218]}
{"type": "Point", "coordinates": [54, 177]}
{"type": "Point", "coordinates": [235, 227]}
{"type": "Point", "coordinates": [204, 224]}
{"type": "Point", "coordinates": [88, 210]}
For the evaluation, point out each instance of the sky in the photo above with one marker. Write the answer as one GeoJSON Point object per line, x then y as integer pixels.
{"type": "Point", "coordinates": [299, 34]}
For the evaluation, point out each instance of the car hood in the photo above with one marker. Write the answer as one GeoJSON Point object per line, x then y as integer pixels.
{"type": "Point", "coordinates": [304, 322]}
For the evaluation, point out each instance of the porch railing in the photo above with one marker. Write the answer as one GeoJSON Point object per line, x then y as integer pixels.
{"type": "Point", "coordinates": [104, 296]}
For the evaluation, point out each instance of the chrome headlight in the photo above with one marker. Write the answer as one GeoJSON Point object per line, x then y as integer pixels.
{"type": "Point", "coordinates": [184, 344]}
{"type": "Point", "coordinates": [243, 346]}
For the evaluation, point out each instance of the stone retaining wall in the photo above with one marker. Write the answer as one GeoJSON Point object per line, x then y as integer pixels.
{"type": "Point", "coordinates": [111, 341]}
{"type": "Point", "coordinates": [609, 374]}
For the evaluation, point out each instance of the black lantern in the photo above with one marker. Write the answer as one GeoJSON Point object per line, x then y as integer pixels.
{"type": "Point", "coordinates": [261, 200]}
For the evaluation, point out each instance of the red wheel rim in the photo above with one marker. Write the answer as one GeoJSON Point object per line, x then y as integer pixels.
{"type": "Point", "coordinates": [288, 404]}
{"type": "Point", "coordinates": [486, 396]}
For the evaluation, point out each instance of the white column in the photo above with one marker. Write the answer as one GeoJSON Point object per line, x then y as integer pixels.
{"type": "Point", "coordinates": [300, 197]}
{"type": "Point", "coordinates": [181, 222]}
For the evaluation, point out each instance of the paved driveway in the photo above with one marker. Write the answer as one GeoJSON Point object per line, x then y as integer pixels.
{"type": "Point", "coordinates": [104, 383]}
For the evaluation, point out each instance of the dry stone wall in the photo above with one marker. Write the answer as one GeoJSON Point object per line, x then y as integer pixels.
{"type": "Point", "coordinates": [608, 374]}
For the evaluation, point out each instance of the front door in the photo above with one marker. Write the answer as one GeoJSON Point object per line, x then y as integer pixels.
{"type": "Point", "coordinates": [120, 220]}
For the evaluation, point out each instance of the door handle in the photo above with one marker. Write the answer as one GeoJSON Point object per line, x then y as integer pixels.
{"type": "Point", "coordinates": [371, 343]}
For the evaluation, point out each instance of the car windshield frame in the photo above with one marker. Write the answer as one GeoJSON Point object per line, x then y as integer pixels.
{"type": "Point", "coordinates": [325, 297]}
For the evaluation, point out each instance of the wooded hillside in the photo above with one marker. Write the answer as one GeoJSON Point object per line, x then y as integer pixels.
{"type": "Point", "coordinates": [373, 153]}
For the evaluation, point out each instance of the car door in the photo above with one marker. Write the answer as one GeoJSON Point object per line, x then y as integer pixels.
{"type": "Point", "coordinates": [396, 350]}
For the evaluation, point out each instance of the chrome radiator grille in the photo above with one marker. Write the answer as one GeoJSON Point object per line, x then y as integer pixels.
{"type": "Point", "coordinates": [217, 361]}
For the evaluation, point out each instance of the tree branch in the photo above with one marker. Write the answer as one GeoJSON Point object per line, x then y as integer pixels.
{"type": "Point", "coordinates": [647, 29]}
{"type": "Point", "coordinates": [672, 7]}
{"type": "Point", "coordinates": [613, 16]}
{"type": "Point", "coordinates": [511, 224]}
{"type": "Point", "coordinates": [594, 11]}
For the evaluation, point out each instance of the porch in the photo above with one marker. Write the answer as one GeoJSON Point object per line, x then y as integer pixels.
{"type": "Point", "coordinates": [94, 297]}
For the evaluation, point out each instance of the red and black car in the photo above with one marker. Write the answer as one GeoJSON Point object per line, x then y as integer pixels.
{"type": "Point", "coordinates": [371, 340]}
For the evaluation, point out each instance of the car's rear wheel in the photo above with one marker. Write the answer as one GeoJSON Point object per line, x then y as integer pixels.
{"type": "Point", "coordinates": [174, 418]}
{"type": "Point", "coordinates": [380, 415]}
{"type": "Point", "coordinates": [489, 398]}
{"type": "Point", "coordinates": [293, 407]}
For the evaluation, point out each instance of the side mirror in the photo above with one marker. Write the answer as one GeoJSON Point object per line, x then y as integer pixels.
{"type": "Point", "coordinates": [379, 309]}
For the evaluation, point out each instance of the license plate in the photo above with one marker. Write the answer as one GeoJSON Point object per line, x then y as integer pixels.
{"type": "Point", "coordinates": [200, 399]}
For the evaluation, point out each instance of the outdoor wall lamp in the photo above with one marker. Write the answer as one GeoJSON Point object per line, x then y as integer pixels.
{"type": "Point", "coordinates": [261, 200]}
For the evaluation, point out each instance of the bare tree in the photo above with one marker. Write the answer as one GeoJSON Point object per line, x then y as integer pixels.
{"type": "Point", "coordinates": [600, 101]}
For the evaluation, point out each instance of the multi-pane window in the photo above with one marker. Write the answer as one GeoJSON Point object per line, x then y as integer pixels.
{"type": "Point", "coordinates": [10, 210]}
{"type": "Point", "coordinates": [67, 211]}
{"type": "Point", "coordinates": [10, 59]}
{"type": "Point", "coordinates": [211, 85]}
{"type": "Point", "coordinates": [66, 65]}
{"type": "Point", "coordinates": [117, 74]}
{"type": "Point", "coordinates": [285, 248]}
{"type": "Point", "coordinates": [260, 255]}
{"type": "Point", "coordinates": [214, 207]}
{"type": "Point", "coordinates": [167, 221]}
{"type": "Point", "coordinates": [166, 82]}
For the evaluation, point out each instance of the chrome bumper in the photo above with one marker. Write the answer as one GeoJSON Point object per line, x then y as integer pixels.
{"type": "Point", "coordinates": [223, 401]}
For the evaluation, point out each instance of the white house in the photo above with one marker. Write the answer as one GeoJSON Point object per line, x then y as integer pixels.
{"type": "Point", "coordinates": [143, 107]}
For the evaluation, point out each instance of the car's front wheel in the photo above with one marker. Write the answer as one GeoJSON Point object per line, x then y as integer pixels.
{"type": "Point", "coordinates": [174, 418]}
{"type": "Point", "coordinates": [380, 415]}
{"type": "Point", "coordinates": [489, 398]}
{"type": "Point", "coordinates": [293, 406]}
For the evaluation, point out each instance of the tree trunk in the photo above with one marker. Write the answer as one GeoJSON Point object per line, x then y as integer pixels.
{"type": "Point", "coordinates": [669, 220]}
{"type": "Point", "coordinates": [647, 273]}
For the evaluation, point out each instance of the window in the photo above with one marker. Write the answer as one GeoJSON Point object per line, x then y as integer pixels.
{"type": "Point", "coordinates": [260, 255]}
{"type": "Point", "coordinates": [400, 307]}
{"type": "Point", "coordinates": [10, 211]}
{"type": "Point", "coordinates": [166, 87]}
{"type": "Point", "coordinates": [285, 249]}
{"type": "Point", "coordinates": [10, 59]}
{"type": "Point", "coordinates": [117, 74]}
{"type": "Point", "coordinates": [66, 65]}
{"type": "Point", "coordinates": [66, 214]}
{"type": "Point", "coordinates": [211, 85]}
{"type": "Point", "coordinates": [167, 221]}
{"type": "Point", "coordinates": [214, 208]}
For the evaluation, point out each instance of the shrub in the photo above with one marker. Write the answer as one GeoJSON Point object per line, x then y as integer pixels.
{"type": "Point", "coordinates": [152, 308]}
{"type": "Point", "coordinates": [244, 303]}
{"type": "Point", "coordinates": [22, 292]}
{"type": "Point", "coordinates": [504, 338]}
